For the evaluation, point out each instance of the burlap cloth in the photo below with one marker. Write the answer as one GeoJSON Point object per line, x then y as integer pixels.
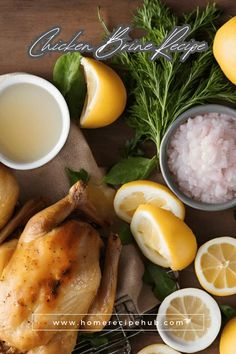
{"type": "Point", "coordinates": [50, 181]}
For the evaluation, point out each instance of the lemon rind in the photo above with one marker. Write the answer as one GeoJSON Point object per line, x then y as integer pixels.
{"type": "Point", "coordinates": [201, 343]}
{"type": "Point", "coordinates": [198, 269]}
{"type": "Point", "coordinates": [143, 185]}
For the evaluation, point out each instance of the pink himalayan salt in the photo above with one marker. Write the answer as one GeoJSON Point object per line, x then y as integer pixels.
{"type": "Point", "coordinates": [202, 157]}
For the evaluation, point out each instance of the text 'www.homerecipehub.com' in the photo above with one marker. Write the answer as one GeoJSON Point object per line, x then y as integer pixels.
{"type": "Point", "coordinates": [148, 322]}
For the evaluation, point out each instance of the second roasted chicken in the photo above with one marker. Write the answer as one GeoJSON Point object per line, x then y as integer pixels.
{"type": "Point", "coordinates": [53, 273]}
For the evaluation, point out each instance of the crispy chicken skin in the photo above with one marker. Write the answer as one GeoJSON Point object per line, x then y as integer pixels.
{"type": "Point", "coordinates": [61, 343]}
{"type": "Point", "coordinates": [54, 269]}
{"type": "Point", "coordinates": [101, 308]}
{"type": "Point", "coordinates": [30, 208]}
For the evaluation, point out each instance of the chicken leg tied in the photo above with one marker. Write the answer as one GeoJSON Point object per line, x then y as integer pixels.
{"type": "Point", "coordinates": [101, 309]}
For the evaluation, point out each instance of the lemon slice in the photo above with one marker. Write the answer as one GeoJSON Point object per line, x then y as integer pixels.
{"type": "Point", "coordinates": [189, 320]}
{"type": "Point", "coordinates": [132, 194]}
{"type": "Point", "coordinates": [158, 349]}
{"type": "Point", "coordinates": [106, 95]}
{"type": "Point", "coordinates": [163, 238]}
{"type": "Point", "coordinates": [215, 266]}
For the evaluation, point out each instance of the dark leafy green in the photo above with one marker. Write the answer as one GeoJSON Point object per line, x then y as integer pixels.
{"type": "Point", "coordinates": [68, 77]}
{"type": "Point", "coordinates": [126, 235]}
{"type": "Point", "coordinates": [130, 169]}
{"type": "Point", "coordinates": [75, 176]}
{"type": "Point", "coordinates": [132, 147]}
{"type": "Point", "coordinates": [160, 280]}
{"type": "Point", "coordinates": [227, 313]}
{"type": "Point", "coordinates": [95, 339]}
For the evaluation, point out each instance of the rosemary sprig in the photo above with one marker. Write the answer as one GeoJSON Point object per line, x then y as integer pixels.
{"type": "Point", "coordinates": [161, 90]}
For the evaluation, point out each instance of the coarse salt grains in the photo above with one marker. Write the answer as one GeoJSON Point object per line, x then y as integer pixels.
{"type": "Point", "coordinates": [202, 158]}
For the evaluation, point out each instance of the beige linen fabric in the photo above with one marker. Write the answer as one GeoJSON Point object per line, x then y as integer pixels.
{"type": "Point", "coordinates": [50, 181]}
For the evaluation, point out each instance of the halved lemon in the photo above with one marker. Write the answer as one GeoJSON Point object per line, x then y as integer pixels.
{"type": "Point", "coordinates": [224, 48]}
{"type": "Point", "coordinates": [189, 320]}
{"type": "Point", "coordinates": [158, 349]}
{"type": "Point", "coordinates": [132, 194]}
{"type": "Point", "coordinates": [215, 266]}
{"type": "Point", "coordinates": [106, 95]}
{"type": "Point", "coordinates": [163, 238]}
{"type": "Point", "coordinates": [228, 338]}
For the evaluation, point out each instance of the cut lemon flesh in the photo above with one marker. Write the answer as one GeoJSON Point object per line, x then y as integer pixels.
{"type": "Point", "coordinates": [106, 95]}
{"type": "Point", "coordinates": [215, 266]}
{"type": "Point", "coordinates": [163, 238]}
{"type": "Point", "coordinates": [188, 308]}
{"type": "Point", "coordinates": [158, 349]}
{"type": "Point", "coordinates": [135, 193]}
{"type": "Point", "coordinates": [189, 320]}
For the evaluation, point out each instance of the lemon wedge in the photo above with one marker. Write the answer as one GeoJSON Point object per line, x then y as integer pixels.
{"type": "Point", "coordinates": [158, 349]}
{"type": "Point", "coordinates": [163, 238]}
{"type": "Point", "coordinates": [101, 196]}
{"type": "Point", "coordinates": [106, 95]}
{"type": "Point", "coordinates": [132, 194]}
{"type": "Point", "coordinates": [215, 266]}
{"type": "Point", "coordinates": [189, 320]}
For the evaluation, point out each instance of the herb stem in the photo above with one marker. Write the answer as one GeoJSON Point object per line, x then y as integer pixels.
{"type": "Point", "coordinates": [161, 90]}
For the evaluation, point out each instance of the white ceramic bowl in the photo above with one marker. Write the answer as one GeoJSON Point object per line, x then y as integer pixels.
{"type": "Point", "coordinates": [22, 78]}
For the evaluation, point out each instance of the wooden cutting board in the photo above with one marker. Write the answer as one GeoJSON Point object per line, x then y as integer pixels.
{"type": "Point", "coordinates": [23, 20]}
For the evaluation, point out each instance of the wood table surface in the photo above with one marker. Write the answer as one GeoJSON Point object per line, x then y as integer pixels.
{"type": "Point", "coordinates": [23, 20]}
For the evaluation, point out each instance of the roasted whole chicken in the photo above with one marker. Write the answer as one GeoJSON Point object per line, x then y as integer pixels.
{"type": "Point", "coordinates": [53, 273]}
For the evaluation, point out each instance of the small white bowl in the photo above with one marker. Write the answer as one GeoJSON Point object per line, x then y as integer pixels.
{"type": "Point", "coordinates": [22, 78]}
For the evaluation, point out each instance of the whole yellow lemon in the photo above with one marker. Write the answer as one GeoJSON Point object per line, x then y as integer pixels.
{"type": "Point", "coordinates": [228, 338]}
{"type": "Point", "coordinates": [224, 49]}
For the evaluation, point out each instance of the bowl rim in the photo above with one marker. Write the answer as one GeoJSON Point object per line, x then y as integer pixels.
{"type": "Point", "coordinates": [11, 79]}
{"type": "Point", "coordinates": [182, 118]}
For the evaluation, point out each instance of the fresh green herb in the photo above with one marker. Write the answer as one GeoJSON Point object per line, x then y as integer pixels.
{"type": "Point", "coordinates": [96, 340]}
{"type": "Point", "coordinates": [130, 169]}
{"type": "Point", "coordinates": [132, 147]}
{"type": "Point", "coordinates": [126, 235]}
{"type": "Point", "coordinates": [69, 79]}
{"type": "Point", "coordinates": [75, 176]}
{"type": "Point", "coordinates": [227, 313]}
{"type": "Point", "coordinates": [161, 90]}
{"type": "Point", "coordinates": [160, 280]}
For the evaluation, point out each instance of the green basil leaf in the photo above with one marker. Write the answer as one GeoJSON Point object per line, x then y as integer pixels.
{"type": "Point", "coordinates": [95, 339]}
{"type": "Point", "coordinates": [227, 313]}
{"type": "Point", "coordinates": [160, 280]}
{"type": "Point", "coordinates": [130, 169]}
{"type": "Point", "coordinates": [125, 235]}
{"type": "Point", "coordinates": [75, 176]}
{"type": "Point", "coordinates": [68, 77]}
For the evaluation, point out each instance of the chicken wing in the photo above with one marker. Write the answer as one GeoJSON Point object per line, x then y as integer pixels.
{"type": "Point", "coordinates": [20, 219]}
